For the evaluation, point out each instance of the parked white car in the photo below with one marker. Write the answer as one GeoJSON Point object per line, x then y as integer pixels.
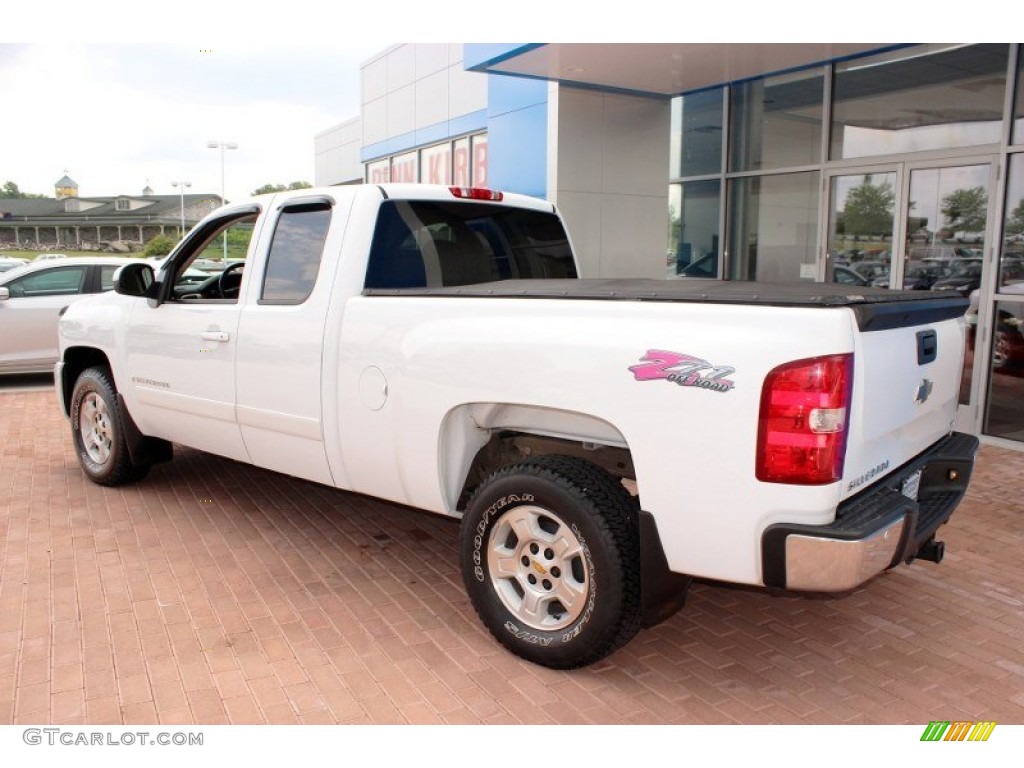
{"type": "Point", "coordinates": [31, 299]}
{"type": "Point", "coordinates": [8, 263]}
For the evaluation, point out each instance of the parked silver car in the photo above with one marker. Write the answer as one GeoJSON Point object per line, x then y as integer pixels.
{"type": "Point", "coordinates": [31, 298]}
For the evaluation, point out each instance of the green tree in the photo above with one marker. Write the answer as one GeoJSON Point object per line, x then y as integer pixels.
{"type": "Point", "coordinates": [160, 245]}
{"type": "Point", "coordinates": [868, 209]}
{"type": "Point", "coordinates": [966, 209]}
{"type": "Point", "coordinates": [267, 189]}
{"type": "Point", "coordinates": [10, 191]}
{"type": "Point", "coordinates": [675, 227]}
{"type": "Point", "coordinates": [239, 236]}
{"type": "Point", "coordinates": [1015, 221]}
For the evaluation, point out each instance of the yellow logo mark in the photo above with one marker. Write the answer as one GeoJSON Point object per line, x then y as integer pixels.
{"type": "Point", "coordinates": [539, 568]}
{"type": "Point", "coordinates": [981, 731]}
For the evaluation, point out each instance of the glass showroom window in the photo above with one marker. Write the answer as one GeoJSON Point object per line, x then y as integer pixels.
{"type": "Point", "coordinates": [378, 172]}
{"type": "Point", "coordinates": [460, 163]}
{"type": "Point", "coordinates": [773, 227]}
{"type": "Point", "coordinates": [479, 160]}
{"type": "Point", "coordinates": [404, 168]}
{"type": "Point", "coordinates": [1018, 112]}
{"type": "Point", "coordinates": [921, 98]}
{"type": "Point", "coordinates": [693, 229]}
{"type": "Point", "coordinates": [1004, 409]}
{"type": "Point", "coordinates": [1004, 413]}
{"type": "Point", "coordinates": [436, 164]}
{"type": "Point", "coordinates": [776, 122]}
{"type": "Point", "coordinates": [696, 126]}
{"type": "Point", "coordinates": [1011, 272]}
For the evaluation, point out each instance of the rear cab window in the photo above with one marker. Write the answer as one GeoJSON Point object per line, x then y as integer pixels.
{"type": "Point", "coordinates": [431, 244]}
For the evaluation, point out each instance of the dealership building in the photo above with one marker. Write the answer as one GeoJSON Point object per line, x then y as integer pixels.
{"type": "Point", "coordinates": [894, 165]}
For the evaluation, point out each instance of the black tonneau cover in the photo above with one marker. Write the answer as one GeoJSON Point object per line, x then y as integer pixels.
{"type": "Point", "coordinates": [876, 309]}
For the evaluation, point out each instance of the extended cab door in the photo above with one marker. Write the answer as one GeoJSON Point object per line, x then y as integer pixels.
{"type": "Point", "coordinates": [281, 336]}
{"type": "Point", "coordinates": [180, 349]}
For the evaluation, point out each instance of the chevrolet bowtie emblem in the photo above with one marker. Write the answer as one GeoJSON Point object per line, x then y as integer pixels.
{"type": "Point", "coordinates": [924, 390]}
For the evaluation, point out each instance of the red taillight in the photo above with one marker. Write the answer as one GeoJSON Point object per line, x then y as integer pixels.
{"type": "Point", "coordinates": [805, 412]}
{"type": "Point", "coordinates": [477, 193]}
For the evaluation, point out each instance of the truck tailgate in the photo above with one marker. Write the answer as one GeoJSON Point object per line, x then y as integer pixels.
{"type": "Point", "coordinates": [908, 361]}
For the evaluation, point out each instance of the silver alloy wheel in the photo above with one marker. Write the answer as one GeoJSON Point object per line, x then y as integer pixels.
{"type": "Point", "coordinates": [95, 428]}
{"type": "Point", "coordinates": [538, 568]}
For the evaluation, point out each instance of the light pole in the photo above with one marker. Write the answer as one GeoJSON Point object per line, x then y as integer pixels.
{"type": "Point", "coordinates": [222, 146]}
{"type": "Point", "coordinates": [180, 186]}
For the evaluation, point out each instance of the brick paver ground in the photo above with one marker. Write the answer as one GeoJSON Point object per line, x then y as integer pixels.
{"type": "Point", "coordinates": [213, 592]}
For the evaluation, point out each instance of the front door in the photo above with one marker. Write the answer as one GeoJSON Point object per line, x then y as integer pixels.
{"type": "Point", "coordinates": [181, 351]}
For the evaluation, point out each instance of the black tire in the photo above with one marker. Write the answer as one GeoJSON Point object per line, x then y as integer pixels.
{"type": "Point", "coordinates": [563, 591]}
{"type": "Point", "coordinates": [98, 432]}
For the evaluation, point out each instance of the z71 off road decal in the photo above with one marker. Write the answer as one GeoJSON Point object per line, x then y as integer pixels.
{"type": "Point", "coordinates": [684, 370]}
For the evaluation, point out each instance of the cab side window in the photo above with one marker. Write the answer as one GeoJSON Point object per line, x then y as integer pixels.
{"type": "Point", "coordinates": [211, 264]}
{"type": "Point", "coordinates": [296, 250]}
{"type": "Point", "coordinates": [61, 281]}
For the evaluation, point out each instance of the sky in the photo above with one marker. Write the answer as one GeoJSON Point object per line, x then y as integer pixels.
{"type": "Point", "coordinates": [128, 95]}
{"type": "Point", "coordinates": [118, 117]}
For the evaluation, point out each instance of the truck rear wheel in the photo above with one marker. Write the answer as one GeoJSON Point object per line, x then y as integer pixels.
{"type": "Point", "coordinates": [98, 432]}
{"type": "Point", "coordinates": [550, 559]}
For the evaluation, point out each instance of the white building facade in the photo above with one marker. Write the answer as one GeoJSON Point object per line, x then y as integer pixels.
{"type": "Point", "coordinates": [894, 165]}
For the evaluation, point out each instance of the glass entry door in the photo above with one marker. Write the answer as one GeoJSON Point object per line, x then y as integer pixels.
{"type": "Point", "coordinates": [1004, 371]}
{"type": "Point", "coordinates": [946, 225]}
{"type": "Point", "coordinates": [919, 226]}
{"type": "Point", "coordinates": [861, 226]}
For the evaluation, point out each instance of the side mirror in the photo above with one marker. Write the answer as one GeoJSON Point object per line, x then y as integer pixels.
{"type": "Point", "coordinates": [5, 294]}
{"type": "Point", "coordinates": [134, 279]}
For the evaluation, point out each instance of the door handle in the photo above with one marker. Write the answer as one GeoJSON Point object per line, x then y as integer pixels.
{"type": "Point", "coordinates": [214, 336]}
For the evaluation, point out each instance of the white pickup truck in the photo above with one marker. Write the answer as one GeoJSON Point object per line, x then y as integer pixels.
{"type": "Point", "coordinates": [602, 441]}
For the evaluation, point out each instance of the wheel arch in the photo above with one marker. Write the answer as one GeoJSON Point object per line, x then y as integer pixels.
{"type": "Point", "coordinates": [142, 448]}
{"type": "Point", "coordinates": [477, 438]}
{"type": "Point", "coordinates": [74, 361]}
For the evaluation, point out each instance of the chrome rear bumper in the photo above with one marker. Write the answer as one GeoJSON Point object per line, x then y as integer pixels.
{"type": "Point", "coordinates": [877, 528]}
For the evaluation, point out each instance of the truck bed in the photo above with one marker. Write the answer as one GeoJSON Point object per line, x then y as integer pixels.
{"type": "Point", "coordinates": [875, 308]}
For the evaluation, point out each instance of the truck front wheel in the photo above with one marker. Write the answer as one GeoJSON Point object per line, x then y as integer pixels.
{"type": "Point", "coordinates": [98, 432]}
{"type": "Point", "coordinates": [550, 559]}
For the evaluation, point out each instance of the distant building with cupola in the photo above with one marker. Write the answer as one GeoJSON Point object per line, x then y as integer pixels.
{"type": "Point", "coordinates": [117, 222]}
